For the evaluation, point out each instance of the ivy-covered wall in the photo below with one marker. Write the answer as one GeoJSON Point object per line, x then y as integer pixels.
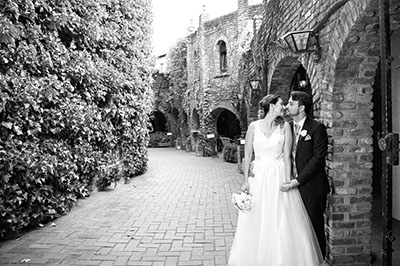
{"type": "Point", "coordinates": [74, 94]}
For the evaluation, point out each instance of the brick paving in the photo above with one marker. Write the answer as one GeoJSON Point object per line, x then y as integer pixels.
{"type": "Point", "coordinates": [178, 213]}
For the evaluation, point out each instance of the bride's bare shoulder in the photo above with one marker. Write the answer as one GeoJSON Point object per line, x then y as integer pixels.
{"type": "Point", "coordinates": [252, 124]}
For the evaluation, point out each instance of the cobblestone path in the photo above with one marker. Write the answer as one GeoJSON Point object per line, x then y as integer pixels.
{"type": "Point", "coordinates": [178, 213]}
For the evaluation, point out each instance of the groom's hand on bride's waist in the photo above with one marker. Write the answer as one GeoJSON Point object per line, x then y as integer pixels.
{"type": "Point", "coordinates": [289, 185]}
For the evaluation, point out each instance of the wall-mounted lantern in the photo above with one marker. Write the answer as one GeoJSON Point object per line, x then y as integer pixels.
{"type": "Point", "coordinates": [254, 91]}
{"type": "Point", "coordinates": [237, 99]}
{"type": "Point", "coordinates": [305, 41]}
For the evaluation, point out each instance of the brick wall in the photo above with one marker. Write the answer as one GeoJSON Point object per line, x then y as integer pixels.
{"type": "Point", "coordinates": [342, 92]}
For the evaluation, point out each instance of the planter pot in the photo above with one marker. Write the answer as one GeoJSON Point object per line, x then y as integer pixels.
{"type": "Point", "coordinates": [164, 144]}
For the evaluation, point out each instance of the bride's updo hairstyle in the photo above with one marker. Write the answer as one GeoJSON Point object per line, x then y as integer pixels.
{"type": "Point", "coordinates": [264, 107]}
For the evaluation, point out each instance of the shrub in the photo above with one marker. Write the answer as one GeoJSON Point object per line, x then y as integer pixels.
{"type": "Point", "coordinates": [230, 153]}
{"type": "Point", "coordinates": [74, 94]}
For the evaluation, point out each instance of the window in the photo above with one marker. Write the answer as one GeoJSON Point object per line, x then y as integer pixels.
{"type": "Point", "coordinates": [222, 56]}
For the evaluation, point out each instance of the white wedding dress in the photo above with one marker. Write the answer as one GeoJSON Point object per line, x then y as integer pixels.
{"type": "Point", "coordinates": [277, 231]}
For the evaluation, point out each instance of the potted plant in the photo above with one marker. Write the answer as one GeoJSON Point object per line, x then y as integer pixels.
{"type": "Point", "coordinates": [230, 153]}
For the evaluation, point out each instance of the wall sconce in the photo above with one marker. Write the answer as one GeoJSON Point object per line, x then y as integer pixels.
{"type": "Point", "coordinates": [254, 91]}
{"type": "Point", "coordinates": [237, 99]}
{"type": "Point", "coordinates": [305, 41]}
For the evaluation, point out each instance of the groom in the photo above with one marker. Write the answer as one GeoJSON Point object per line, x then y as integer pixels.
{"type": "Point", "coordinates": [310, 145]}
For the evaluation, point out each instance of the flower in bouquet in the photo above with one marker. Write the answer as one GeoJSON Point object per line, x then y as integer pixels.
{"type": "Point", "coordinates": [243, 201]}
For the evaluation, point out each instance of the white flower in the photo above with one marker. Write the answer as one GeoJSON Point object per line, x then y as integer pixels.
{"type": "Point", "coordinates": [303, 133]}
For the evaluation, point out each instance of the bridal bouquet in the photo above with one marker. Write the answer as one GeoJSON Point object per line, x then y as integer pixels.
{"type": "Point", "coordinates": [243, 201]}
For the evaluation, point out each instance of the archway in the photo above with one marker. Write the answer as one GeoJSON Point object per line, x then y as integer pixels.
{"type": "Point", "coordinates": [158, 122]}
{"type": "Point", "coordinates": [228, 125]}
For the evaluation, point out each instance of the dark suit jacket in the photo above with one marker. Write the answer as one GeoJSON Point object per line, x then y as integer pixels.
{"type": "Point", "coordinates": [310, 159]}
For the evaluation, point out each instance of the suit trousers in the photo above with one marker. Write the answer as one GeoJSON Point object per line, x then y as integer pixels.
{"type": "Point", "coordinates": [316, 207]}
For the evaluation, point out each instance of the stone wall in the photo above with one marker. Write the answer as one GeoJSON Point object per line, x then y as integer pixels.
{"type": "Point", "coordinates": [209, 86]}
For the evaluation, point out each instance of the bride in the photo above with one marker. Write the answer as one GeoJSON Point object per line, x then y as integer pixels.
{"type": "Point", "coordinates": [277, 231]}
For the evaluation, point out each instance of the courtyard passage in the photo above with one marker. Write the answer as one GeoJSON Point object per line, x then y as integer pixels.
{"type": "Point", "coordinates": [178, 213]}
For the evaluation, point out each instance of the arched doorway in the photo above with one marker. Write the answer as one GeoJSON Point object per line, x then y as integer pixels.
{"type": "Point", "coordinates": [228, 126]}
{"type": "Point", "coordinates": [158, 122]}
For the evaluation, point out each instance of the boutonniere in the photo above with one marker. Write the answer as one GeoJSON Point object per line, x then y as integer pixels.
{"type": "Point", "coordinates": [303, 133]}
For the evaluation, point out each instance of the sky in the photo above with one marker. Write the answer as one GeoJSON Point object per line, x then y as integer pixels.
{"type": "Point", "coordinates": [173, 17]}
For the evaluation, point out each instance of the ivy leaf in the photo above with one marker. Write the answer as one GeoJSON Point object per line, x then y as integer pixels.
{"type": "Point", "coordinates": [6, 178]}
{"type": "Point", "coordinates": [55, 130]}
{"type": "Point", "coordinates": [18, 130]}
{"type": "Point", "coordinates": [7, 125]}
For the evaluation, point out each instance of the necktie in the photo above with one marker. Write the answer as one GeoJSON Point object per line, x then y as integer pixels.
{"type": "Point", "coordinates": [296, 131]}
{"type": "Point", "coordinates": [296, 128]}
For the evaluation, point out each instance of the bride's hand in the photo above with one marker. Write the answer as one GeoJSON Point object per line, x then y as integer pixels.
{"type": "Point", "coordinates": [285, 187]}
{"type": "Point", "coordinates": [245, 186]}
